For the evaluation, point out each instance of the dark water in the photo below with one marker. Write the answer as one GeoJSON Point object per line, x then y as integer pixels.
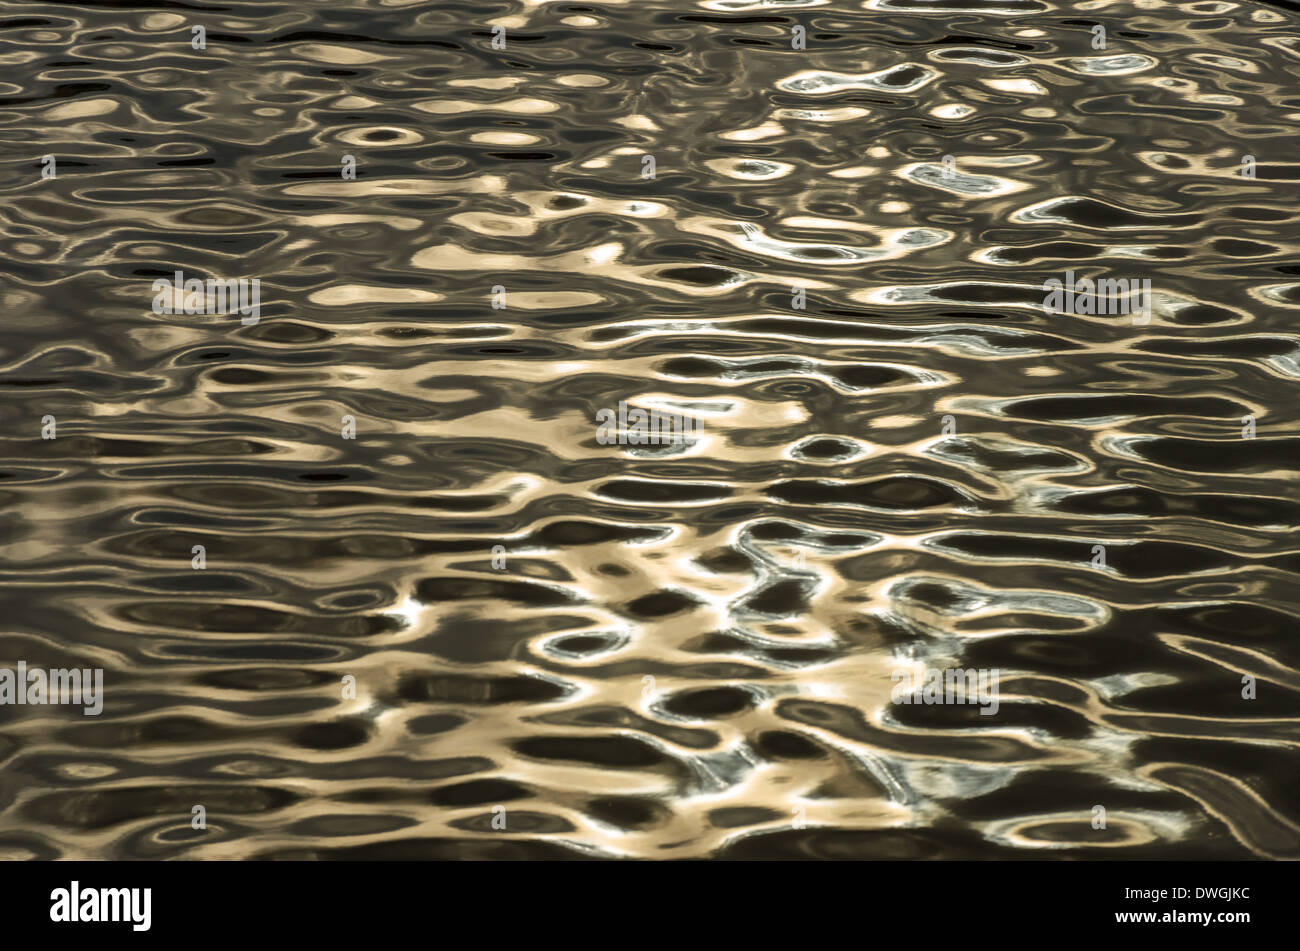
{"type": "Point", "coordinates": [679, 650]}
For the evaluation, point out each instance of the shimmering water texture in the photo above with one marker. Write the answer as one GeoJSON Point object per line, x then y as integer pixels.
{"type": "Point", "coordinates": [679, 649]}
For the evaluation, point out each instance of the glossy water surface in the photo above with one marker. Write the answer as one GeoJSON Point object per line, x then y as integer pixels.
{"type": "Point", "coordinates": [682, 650]}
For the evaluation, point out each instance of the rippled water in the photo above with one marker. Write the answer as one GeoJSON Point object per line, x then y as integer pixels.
{"type": "Point", "coordinates": [679, 650]}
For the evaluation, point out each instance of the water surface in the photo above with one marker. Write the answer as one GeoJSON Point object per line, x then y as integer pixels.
{"type": "Point", "coordinates": [676, 651]}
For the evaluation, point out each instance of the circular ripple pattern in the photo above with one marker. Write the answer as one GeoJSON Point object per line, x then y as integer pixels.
{"type": "Point", "coordinates": [830, 261]}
